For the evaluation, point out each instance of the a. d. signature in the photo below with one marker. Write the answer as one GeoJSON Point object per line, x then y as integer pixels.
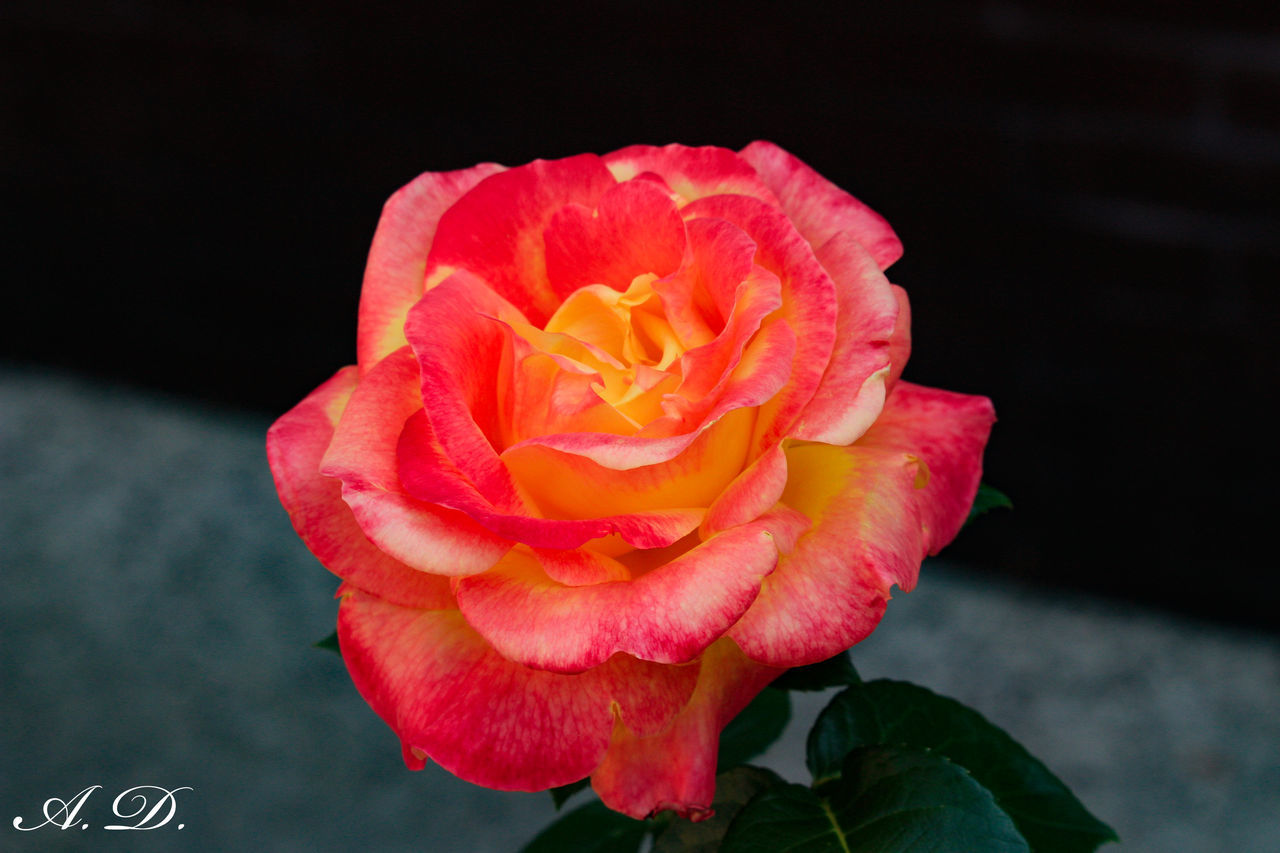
{"type": "Point", "coordinates": [148, 813]}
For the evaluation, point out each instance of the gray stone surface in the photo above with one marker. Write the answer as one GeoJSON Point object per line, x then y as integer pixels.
{"type": "Point", "coordinates": [158, 612]}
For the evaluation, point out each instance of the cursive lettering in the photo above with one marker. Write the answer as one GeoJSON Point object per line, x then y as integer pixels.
{"type": "Point", "coordinates": [152, 808]}
{"type": "Point", "coordinates": [60, 813]}
{"type": "Point", "coordinates": [149, 820]}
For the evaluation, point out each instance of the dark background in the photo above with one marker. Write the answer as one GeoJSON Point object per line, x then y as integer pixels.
{"type": "Point", "coordinates": [1088, 192]}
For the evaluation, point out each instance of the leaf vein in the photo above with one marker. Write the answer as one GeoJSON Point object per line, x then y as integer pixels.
{"type": "Point", "coordinates": [835, 825]}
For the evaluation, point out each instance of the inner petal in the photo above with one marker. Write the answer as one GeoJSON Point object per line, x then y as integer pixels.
{"type": "Point", "coordinates": [552, 387]}
{"type": "Point", "coordinates": [631, 326]}
{"type": "Point", "coordinates": [625, 338]}
{"type": "Point", "coordinates": [594, 315]}
{"type": "Point", "coordinates": [633, 229]}
{"type": "Point", "coordinates": [566, 485]}
{"type": "Point", "coordinates": [699, 297]}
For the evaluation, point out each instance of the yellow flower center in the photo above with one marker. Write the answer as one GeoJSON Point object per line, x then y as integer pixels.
{"type": "Point", "coordinates": [625, 338]}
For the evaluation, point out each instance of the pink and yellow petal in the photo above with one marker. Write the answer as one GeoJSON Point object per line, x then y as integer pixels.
{"type": "Point", "coordinates": [548, 395]}
{"type": "Point", "coordinates": [394, 277]}
{"type": "Point", "coordinates": [818, 207]}
{"type": "Point", "coordinates": [580, 566]}
{"type": "Point", "coordinates": [568, 485]}
{"type": "Point", "coordinates": [427, 537]}
{"type": "Point", "coordinates": [703, 368]}
{"type": "Point", "coordinates": [428, 475]}
{"type": "Point", "coordinates": [634, 230]}
{"type": "Point", "coordinates": [590, 326]}
{"type": "Point", "coordinates": [296, 443]}
{"type": "Point", "coordinates": [675, 768]}
{"type": "Point", "coordinates": [830, 591]}
{"type": "Point", "coordinates": [756, 375]}
{"type": "Point", "coordinates": [948, 431]}
{"type": "Point", "coordinates": [900, 340]}
{"type": "Point", "coordinates": [496, 229]}
{"type": "Point", "coordinates": [648, 695]}
{"type": "Point", "coordinates": [363, 446]}
{"type": "Point", "coordinates": [760, 378]}
{"type": "Point", "coordinates": [362, 455]}
{"type": "Point", "coordinates": [878, 507]}
{"type": "Point", "coordinates": [669, 614]}
{"type": "Point", "coordinates": [700, 296]}
{"type": "Point", "coordinates": [461, 336]}
{"type": "Point", "coordinates": [449, 696]}
{"type": "Point", "coordinates": [809, 304]}
{"type": "Point", "coordinates": [751, 494]}
{"type": "Point", "coordinates": [691, 173]}
{"type": "Point", "coordinates": [852, 391]}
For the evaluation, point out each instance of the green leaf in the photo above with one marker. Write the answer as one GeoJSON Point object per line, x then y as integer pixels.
{"type": "Point", "coordinates": [593, 828]}
{"type": "Point", "coordinates": [888, 800]}
{"type": "Point", "coordinates": [329, 643]}
{"type": "Point", "coordinates": [849, 720]}
{"type": "Point", "coordinates": [752, 731]}
{"type": "Point", "coordinates": [832, 672]}
{"type": "Point", "coordinates": [786, 818]}
{"type": "Point", "coordinates": [564, 792]}
{"type": "Point", "coordinates": [734, 788]}
{"type": "Point", "coordinates": [987, 499]}
{"type": "Point", "coordinates": [891, 712]}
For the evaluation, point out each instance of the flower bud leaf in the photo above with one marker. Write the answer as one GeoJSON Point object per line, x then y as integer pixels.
{"type": "Point", "coordinates": [886, 712]}
{"type": "Point", "coordinates": [592, 828]}
{"type": "Point", "coordinates": [888, 799]}
{"type": "Point", "coordinates": [987, 499]}
{"type": "Point", "coordinates": [561, 795]}
{"type": "Point", "coordinates": [752, 731]}
{"type": "Point", "coordinates": [835, 671]}
{"type": "Point", "coordinates": [734, 789]}
{"type": "Point", "coordinates": [329, 643]}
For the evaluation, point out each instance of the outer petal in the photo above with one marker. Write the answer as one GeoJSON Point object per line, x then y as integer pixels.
{"type": "Point", "coordinates": [948, 431]}
{"type": "Point", "coordinates": [818, 207]}
{"type": "Point", "coordinates": [900, 341]}
{"type": "Point", "coordinates": [496, 230]}
{"type": "Point", "coordinates": [751, 494]}
{"type": "Point", "coordinates": [878, 506]}
{"type": "Point", "coordinates": [394, 275]}
{"type": "Point", "coordinates": [691, 173]}
{"type": "Point", "coordinates": [668, 615]}
{"type": "Point", "coordinates": [649, 695]}
{"type": "Point", "coordinates": [852, 390]}
{"type": "Point", "coordinates": [448, 695]}
{"type": "Point", "coordinates": [295, 445]}
{"type": "Point", "coordinates": [676, 768]}
{"type": "Point", "coordinates": [831, 589]}
{"type": "Point", "coordinates": [363, 456]}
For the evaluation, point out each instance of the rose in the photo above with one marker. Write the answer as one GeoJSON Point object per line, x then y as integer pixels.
{"type": "Point", "coordinates": [625, 439]}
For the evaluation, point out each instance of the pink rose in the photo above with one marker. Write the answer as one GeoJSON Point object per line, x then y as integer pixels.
{"type": "Point", "coordinates": [625, 439]}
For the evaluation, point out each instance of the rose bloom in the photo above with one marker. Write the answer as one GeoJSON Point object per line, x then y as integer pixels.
{"type": "Point", "coordinates": [625, 439]}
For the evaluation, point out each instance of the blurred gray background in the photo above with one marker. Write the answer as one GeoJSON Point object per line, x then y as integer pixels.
{"type": "Point", "coordinates": [1089, 195]}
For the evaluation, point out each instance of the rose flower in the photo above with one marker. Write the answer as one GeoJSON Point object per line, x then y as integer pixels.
{"type": "Point", "coordinates": [625, 439]}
